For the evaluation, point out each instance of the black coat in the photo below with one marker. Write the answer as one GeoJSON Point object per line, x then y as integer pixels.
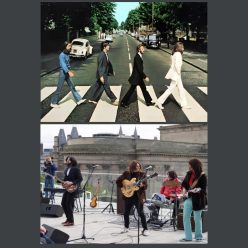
{"type": "Point", "coordinates": [199, 200]}
{"type": "Point", "coordinates": [104, 66]}
{"type": "Point", "coordinates": [74, 175]}
{"type": "Point", "coordinates": [138, 74]}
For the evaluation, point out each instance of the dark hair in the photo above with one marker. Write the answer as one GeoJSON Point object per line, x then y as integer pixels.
{"type": "Point", "coordinates": [132, 166]}
{"type": "Point", "coordinates": [63, 47]}
{"type": "Point", "coordinates": [73, 160]}
{"type": "Point", "coordinates": [138, 47]}
{"type": "Point", "coordinates": [172, 174]}
{"type": "Point", "coordinates": [196, 166]}
{"type": "Point", "coordinates": [177, 47]}
{"type": "Point", "coordinates": [104, 44]}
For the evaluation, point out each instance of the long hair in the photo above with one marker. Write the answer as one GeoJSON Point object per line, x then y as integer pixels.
{"type": "Point", "coordinates": [132, 166]}
{"type": "Point", "coordinates": [172, 174]}
{"type": "Point", "coordinates": [177, 48]}
{"type": "Point", "coordinates": [196, 166]}
{"type": "Point", "coordinates": [73, 161]}
{"type": "Point", "coordinates": [63, 47]}
{"type": "Point", "coordinates": [138, 47]}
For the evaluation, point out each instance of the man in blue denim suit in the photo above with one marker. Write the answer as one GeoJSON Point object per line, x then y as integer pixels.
{"type": "Point", "coordinates": [65, 74]}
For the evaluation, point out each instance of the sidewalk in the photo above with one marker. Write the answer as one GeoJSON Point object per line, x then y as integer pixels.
{"type": "Point", "coordinates": [196, 59]}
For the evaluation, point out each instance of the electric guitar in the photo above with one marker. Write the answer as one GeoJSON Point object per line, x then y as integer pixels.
{"type": "Point", "coordinates": [69, 189]}
{"type": "Point", "coordinates": [130, 186]}
{"type": "Point", "coordinates": [93, 202]}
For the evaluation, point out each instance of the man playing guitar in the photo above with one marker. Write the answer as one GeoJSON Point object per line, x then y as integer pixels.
{"type": "Point", "coordinates": [138, 196]}
{"type": "Point", "coordinates": [72, 178]}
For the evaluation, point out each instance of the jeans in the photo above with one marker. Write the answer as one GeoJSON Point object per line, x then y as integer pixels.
{"type": "Point", "coordinates": [97, 89]}
{"type": "Point", "coordinates": [62, 78]}
{"type": "Point", "coordinates": [187, 210]}
{"type": "Point", "coordinates": [49, 183]}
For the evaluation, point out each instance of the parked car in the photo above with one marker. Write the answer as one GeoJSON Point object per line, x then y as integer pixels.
{"type": "Point", "coordinates": [81, 48]}
{"type": "Point", "coordinates": [109, 38]}
{"type": "Point", "coordinates": [142, 38]}
{"type": "Point", "coordinates": [153, 41]}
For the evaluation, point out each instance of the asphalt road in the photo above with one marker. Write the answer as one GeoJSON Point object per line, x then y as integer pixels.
{"type": "Point", "coordinates": [156, 65]}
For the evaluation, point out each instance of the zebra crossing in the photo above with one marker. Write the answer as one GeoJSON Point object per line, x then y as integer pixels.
{"type": "Point", "coordinates": [106, 112]}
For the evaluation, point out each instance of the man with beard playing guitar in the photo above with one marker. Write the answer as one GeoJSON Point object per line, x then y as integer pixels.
{"type": "Point", "coordinates": [137, 198]}
{"type": "Point", "coordinates": [72, 179]}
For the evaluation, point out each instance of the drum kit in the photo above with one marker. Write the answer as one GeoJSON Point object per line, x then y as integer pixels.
{"type": "Point", "coordinates": [157, 203]}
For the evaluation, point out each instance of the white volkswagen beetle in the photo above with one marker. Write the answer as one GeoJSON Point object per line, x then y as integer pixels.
{"type": "Point", "coordinates": [80, 48]}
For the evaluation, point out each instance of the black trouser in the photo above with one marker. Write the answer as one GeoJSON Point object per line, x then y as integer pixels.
{"type": "Point", "coordinates": [97, 89]}
{"type": "Point", "coordinates": [68, 205]}
{"type": "Point", "coordinates": [129, 202]}
{"type": "Point", "coordinates": [148, 99]}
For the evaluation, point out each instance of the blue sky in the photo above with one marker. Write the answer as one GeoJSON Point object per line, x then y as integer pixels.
{"type": "Point", "coordinates": [122, 10]}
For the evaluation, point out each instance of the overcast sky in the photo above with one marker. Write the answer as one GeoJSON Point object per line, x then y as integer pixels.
{"type": "Point", "coordinates": [48, 131]}
{"type": "Point", "coordinates": [122, 10]}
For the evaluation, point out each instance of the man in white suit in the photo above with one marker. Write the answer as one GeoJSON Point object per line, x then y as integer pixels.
{"type": "Point", "coordinates": [174, 74]}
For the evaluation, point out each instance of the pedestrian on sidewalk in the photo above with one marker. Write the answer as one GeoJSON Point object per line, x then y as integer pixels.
{"type": "Point", "coordinates": [104, 69]}
{"type": "Point", "coordinates": [65, 74]}
{"type": "Point", "coordinates": [174, 74]}
{"type": "Point", "coordinates": [137, 78]}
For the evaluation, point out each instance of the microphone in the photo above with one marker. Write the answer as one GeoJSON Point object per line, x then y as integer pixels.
{"type": "Point", "coordinates": [149, 167]}
{"type": "Point", "coordinates": [94, 166]}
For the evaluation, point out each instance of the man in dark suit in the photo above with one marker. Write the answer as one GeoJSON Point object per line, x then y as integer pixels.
{"type": "Point", "coordinates": [104, 69]}
{"type": "Point", "coordinates": [137, 78]}
{"type": "Point", "coordinates": [72, 177]}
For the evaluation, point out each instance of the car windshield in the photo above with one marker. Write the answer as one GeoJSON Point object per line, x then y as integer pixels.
{"type": "Point", "coordinates": [152, 37]}
{"type": "Point", "coordinates": [77, 43]}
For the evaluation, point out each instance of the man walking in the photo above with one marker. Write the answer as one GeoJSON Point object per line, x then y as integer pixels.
{"type": "Point", "coordinates": [137, 78]}
{"type": "Point", "coordinates": [104, 69]}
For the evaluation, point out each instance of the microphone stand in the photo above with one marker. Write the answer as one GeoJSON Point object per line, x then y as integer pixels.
{"type": "Point", "coordinates": [83, 232]}
{"type": "Point", "coordinates": [138, 210]}
{"type": "Point", "coordinates": [110, 205]}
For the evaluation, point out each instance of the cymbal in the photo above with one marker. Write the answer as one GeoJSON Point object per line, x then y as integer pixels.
{"type": "Point", "coordinates": [172, 183]}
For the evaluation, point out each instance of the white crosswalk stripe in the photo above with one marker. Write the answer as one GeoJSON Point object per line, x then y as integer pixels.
{"type": "Point", "coordinates": [196, 113]}
{"type": "Point", "coordinates": [46, 92]}
{"type": "Point", "coordinates": [149, 113]}
{"type": "Point", "coordinates": [204, 89]}
{"type": "Point", "coordinates": [105, 111]}
{"type": "Point", "coordinates": [66, 106]}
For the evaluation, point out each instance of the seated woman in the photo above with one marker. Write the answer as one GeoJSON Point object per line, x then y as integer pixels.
{"type": "Point", "coordinates": [170, 191]}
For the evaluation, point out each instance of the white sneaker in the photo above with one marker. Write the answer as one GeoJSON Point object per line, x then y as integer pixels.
{"type": "Point", "coordinates": [146, 233]}
{"type": "Point", "coordinates": [54, 105]}
{"type": "Point", "coordinates": [92, 101]}
{"type": "Point", "coordinates": [125, 230]}
{"type": "Point", "coordinates": [81, 101]}
{"type": "Point", "coordinates": [116, 103]}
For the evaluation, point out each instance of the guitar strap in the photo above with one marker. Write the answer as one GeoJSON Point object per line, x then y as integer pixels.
{"type": "Point", "coordinates": [196, 181]}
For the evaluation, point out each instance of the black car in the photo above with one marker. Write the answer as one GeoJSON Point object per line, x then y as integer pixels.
{"type": "Point", "coordinates": [153, 41]}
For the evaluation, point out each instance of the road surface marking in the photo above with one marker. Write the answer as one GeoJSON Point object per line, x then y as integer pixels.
{"type": "Point", "coordinates": [130, 68]}
{"type": "Point", "coordinates": [105, 111]}
{"type": "Point", "coordinates": [129, 57]}
{"type": "Point", "coordinates": [67, 104]}
{"type": "Point", "coordinates": [204, 89]}
{"type": "Point", "coordinates": [196, 113]}
{"type": "Point", "coordinates": [149, 113]}
{"type": "Point", "coordinates": [45, 92]}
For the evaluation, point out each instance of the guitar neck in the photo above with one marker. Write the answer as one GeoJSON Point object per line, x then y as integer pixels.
{"type": "Point", "coordinates": [58, 179]}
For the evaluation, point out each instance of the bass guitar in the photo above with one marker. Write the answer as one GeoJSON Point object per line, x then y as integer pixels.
{"type": "Point", "coordinates": [130, 186]}
{"type": "Point", "coordinates": [93, 202]}
{"type": "Point", "coordinates": [69, 189]}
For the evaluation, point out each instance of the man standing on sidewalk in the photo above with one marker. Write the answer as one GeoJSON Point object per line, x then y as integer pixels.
{"type": "Point", "coordinates": [65, 74]}
{"type": "Point", "coordinates": [104, 69]}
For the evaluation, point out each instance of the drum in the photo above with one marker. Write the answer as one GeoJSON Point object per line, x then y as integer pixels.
{"type": "Point", "coordinates": [159, 199]}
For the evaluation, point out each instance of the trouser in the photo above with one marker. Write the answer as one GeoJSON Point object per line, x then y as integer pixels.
{"type": "Point", "coordinates": [174, 85]}
{"type": "Point", "coordinates": [126, 98]}
{"type": "Point", "coordinates": [187, 211]}
{"type": "Point", "coordinates": [97, 89]}
{"type": "Point", "coordinates": [129, 202]}
{"type": "Point", "coordinates": [49, 183]}
{"type": "Point", "coordinates": [64, 77]}
{"type": "Point", "coordinates": [68, 205]}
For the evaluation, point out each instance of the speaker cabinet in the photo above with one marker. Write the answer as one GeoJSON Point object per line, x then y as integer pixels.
{"type": "Point", "coordinates": [51, 210]}
{"type": "Point", "coordinates": [57, 236]}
